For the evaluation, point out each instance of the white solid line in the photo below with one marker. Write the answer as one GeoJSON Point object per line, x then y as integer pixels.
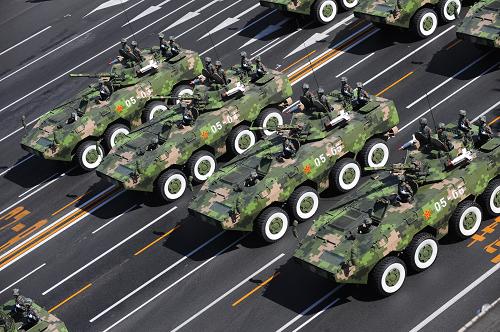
{"type": "Point", "coordinates": [34, 35]}
{"type": "Point", "coordinates": [316, 315]}
{"type": "Point", "coordinates": [246, 11]}
{"type": "Point", "coordinates": [107, 252]}
{"type": "Point", "coordinates": [311, 307]}
{"type": "Point", "coordinates": [447, 80]}
{"type": "Point", "coordinates": [18, 130]}
{"type": "Point", "coordinates": [38, 185]}
{"type": "Point", "coordinates": [227, 293]}
{"type": "Point", "coordinates": [456, 298]}
{"type": "Point", "coordinates": [118, 216]}
{"type": "Point", "coordinates": [42, 230]}
{"type": "Point", "coordinates": [66, 43]}
{"type": "Point", "coordinates": [168, 287]}
{"type": "Point", "coordinates": [408, 55]}
{"type": "Point", "coordinates": [449, 96]}
{"type": "Point", "coordinates": [356, 64]}
{"type": "Point", "coordinates": [17, 164]}
{"type": "Point", "coordinates": [266, 45]}
{"type": "Point", "coordinates": [237, 32]}
{"type": "Point", "coordinates": [488, 110]}
{"type": "Point", "coordinates": [22, 278]}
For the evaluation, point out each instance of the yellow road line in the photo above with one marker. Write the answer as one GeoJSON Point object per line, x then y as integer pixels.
{"type": "Point", "coordinates": [494, 120]}
{"type": "Point", "coordinates": [69, 298]}
{"type": "Point", "coordinates": [394, 84]}
{"type": "Point", "coordinates": [299, 60]}
{"type": "Point", "coordinates": [158, 239]}
{"type": "Point", "coordinates": [70, 203]}
{"type": "Point", "coordinates": [453, 44]}
{"type": "Point", "coordinates": [255, 289]}
{"type": "Point", "coordinates": [487, 230]}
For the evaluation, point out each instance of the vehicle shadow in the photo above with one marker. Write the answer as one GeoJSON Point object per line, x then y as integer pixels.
{"type": "Point", "coordinates": [33, 171]}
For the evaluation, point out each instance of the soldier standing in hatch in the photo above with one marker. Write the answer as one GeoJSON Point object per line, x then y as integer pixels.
{"type": "Point", "coordinates": [246, 65]}
{"type": "Point", "coordinates": [104, 89]}
{"type": "Point", "coordinates": [30, 317]}
{"type": "Point", "coordinates": [252, 180]}
{"type": "Point", "coordinates": [345, 88]}
{"type": "Point", "coordinates": [405, 193]}
{"type": "Point", "coordinates": [463, 122]}
{"type": "Point", "coordinates": [289, 149]}
{"type": "Point", "coordinates": [443, 136]}
{"type": "Point", "coordinates": [260, 70]}
{"type": "Point", "coordinates": [360, 96]}
{"type": "Point", "coordinates": [220, 72]}
{"type": "Point", "coordinates": [307, 94]}
{"type": "Point", "coordinates": [136, 51]}
{"type": "Point", "coordinates": [19, 302]}
{"type": "Point", "coordinates": [323, 99]}
{"type": "Point", "coordinates": [174, 47]}
{"type": "Point", "coordinates": [209, 67]}
{"type": "Point", "coordinates": [484, 131]}
{"type": "Point", "coordinates": [187, 114]}
{"type": "Point", "coordinates": [426, 132]}
{"type": "Point", "coordinates": [164, 47]}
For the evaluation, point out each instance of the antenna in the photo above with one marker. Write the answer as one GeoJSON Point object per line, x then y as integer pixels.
{"type": "Point", "coordinates": [309, 59]}
{"type": "Point", "coordinates": [128, 20]}
{"type": "Point", "coordinates": [23, 121]}
{"type": "Point", "coordinates": [430, 110]}
{"type": "Point", "coordinates": [213, 45]}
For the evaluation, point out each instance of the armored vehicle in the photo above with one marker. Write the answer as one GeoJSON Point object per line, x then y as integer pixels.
{"type": "Point", "coordinates": [124, 99]}
{"type": "Point", "coordinates": [170, 154]}
{"type": "Point", "coordinates": [24, 315]}
{"type": "Point", "coordinates": [422, 17]}
{"type": "Point", "coordinates": [321, 11]}
{"type": "Point", "coordinates": [481, 25]}
{"type": "Point", "coordinates": [280, 177]}
{"type": "Point", "coordinates": [393, 222]}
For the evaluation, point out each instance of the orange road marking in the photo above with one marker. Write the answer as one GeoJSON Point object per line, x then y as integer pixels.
{"type": "Point", "coordinates": [394, 84]}
{"type": "Point", "coordinates": [355, 24]}
{"type": "Point", "coordinates": [69, 298]}
{"type": "Point", "coordinates": [490, 247]}
{"type": "Point", "coordinates": [70, 203]}
{"type": "Point", "coordinates": [299, 60]}
{"type": "Point", "coordinates": [487, 230]}
{"type": "Point", "coordinates": [453, 44]}
{"type": "Point", "coordinates": [17, 214]}
{"type": "Point", "coordinates": [39, 224]}
{"type": "Point", "coordinates": [494, 120]}
{"type": "Point", "coordinates": [496, 259]}
{"type": "Point", "coordinates": [157, 240]}
{"type": "Point", "coordinates": [255, 289]}
{"type": "Point", "coordinates": [18, 227]}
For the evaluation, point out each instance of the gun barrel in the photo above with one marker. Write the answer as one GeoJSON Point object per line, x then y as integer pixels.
{"type": "Point", "coordinates": [98, 75]}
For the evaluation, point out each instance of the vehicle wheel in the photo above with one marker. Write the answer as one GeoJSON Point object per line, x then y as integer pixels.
{"type": "Point", "coordinates": [171, 185]}
{"type": "Point", "coordinates": [466, 219]}
{"type": "Point", "coordinates": [270, 117]}
{"type": "Point", "coordinates": [201, 166]}
{"type": "Point", "coordinates": [272, 224]}
{"type": "Point", "coordinates": [324, 11]}
{"type": "Point", "coordinates": [151, 109]}
{"type": "Point", "coordinates": [490, 198]}
{"type": "Point", "coordinates": [447, 10]}
{"type": "Point", "coordinates": [303, 203]}
{"type": "Point", "coordinates": [348, 4]}
{"type": "Point", "coordinates": [345, 175]}
{"type": "Point", "coordinates": [424, 23]}
{"type": "Point", "coordinates": [182, 90]}
{"type": "Point", "coordinates": [240, 139]}
{"type": "Point", "coordinates": [375, 153]}
{"type": "Point", "coordinates": [421, 253]}
{"type": "Point", "coordinates": [113, 132]}
{"type": "Point", "coordinates": [89, 155]}
{"type": "Point", "coordinates": [388, 276]}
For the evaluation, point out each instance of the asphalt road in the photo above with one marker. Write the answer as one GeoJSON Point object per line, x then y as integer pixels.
{"type": "Point", "coordinates": [124, 261]}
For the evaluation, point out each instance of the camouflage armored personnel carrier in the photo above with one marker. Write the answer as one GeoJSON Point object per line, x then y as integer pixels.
{"type": "Point", "coordinates": [383, 228]}
{"type": "Point", "coordinates": [29, 318]}
{"type": "Point", "coordinates": [321, 11]}
{"type": "Point", "coordinates": [421, 17]}
{"type": "Point", "coordinates": [125, 98]}
{"type": "Point", "coordinates": [280, 178]}
{"type": "Point", "coordinates": [167, 156]}
{"type": "Point", "coordinates": [481, 25]}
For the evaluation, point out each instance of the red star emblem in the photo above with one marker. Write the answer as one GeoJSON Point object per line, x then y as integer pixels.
{"type": "Point", "coordinates": [427, 214]}
{"type": "Point", "coordinates": [204, 134]}
{"type": "Point", "coordinates": [119, 108]}
{"type": "Point", "coordinates": [307, 169]}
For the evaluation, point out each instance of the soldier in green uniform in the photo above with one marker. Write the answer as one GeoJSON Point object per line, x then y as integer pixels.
{"type": "Point", "coordinates": [105, 89]}
{"type": "Point", "coordinates": [443, 136]}
{"type": "Point", "coordinates": [323, 99]}
{"type": "Point", "coordinates": [220, 74]}
{"type": "Point", "coordinates": [405, 193]}
{"type": "Point", "coordinates": [20, 303]}
{"type": "Point", "coordinates": [246, 65]}
{"type": "Point", "coordinates": [187, 114]}
{"type": "Point", "coordinates": [463, 122]}
{"type": "Point", "coordinates": [174, 47]}
{"type": "Point", "coordinates": [260, 70]}
{"type": "Point", "coordinates": [484, 131]}
{"type": "Point", "coordinates": [209, 67]}
{"type": "Point", "coordinates": [345, 88]}
{"type": "Point", "coordinates": [426, 132]}
{"type": "Point", "coordinates": [164, 47]}
{"type": "Point", "coordinates": [30, 317]}
{"type": "Point", "coordinates": [136, 51]}
{"type": "Point", "coordinates": [360, 96]}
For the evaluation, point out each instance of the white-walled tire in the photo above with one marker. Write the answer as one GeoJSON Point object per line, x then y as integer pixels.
{"type": "Point", "coordinates": [270, 117]}
{"type": "Point", "coordinates": [271, 224]}
{"type": "Point", "coordinates": [348, 4]}
{"type": "Point", "coordinates": [345, 175]}
{"type": "Point", "coordinates": [466, 219]}
{"type": "Point", "coordinates": [152, 109]}
{"type": "Point", "coordinates": [375, 153]}
{"type": "Point", "coordinates": [424, 23]}
{"type": "Point", "coordinates": [421, 253]}
{"type": "Point", "coordinates": [324, 11]}
{"type": "Point", "coordinates": [490, 198]}
{"type": "Point", "coordinates": [182, 90]}
{"type": "Point", "coordinates": [240, 139]}
{"type": "Point", "coordinates": [447, 10]}
{"type": "Point", "coordinates": [171, 185]}
{"type": "Point", "coordinates": [89, 155]}
{"type": "Point", "coordinates": [112, 134]}
{"type": "Point", "coordinates": [202, 165]}
{"type": "Point", "coordinates": [303, 203]}
{"type": "Point", "coordinates": [388, 276]}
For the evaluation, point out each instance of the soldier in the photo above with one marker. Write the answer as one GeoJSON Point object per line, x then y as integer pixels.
{"type": "Point", "coordinates": [136, 51]}
{"type": "Point", "coordinates": [484, 132]}
{"type": "Point", "coordinates": [209, 67]}
{"type": "Point", "coordinates": [405, 193]}
{"type": "Point", "coordinates": [246, 65]}
{"type": "Point", "coordinates": [187, 114]}
{"type": "Point", "coordinates": [289, 149]}
{"type": "Point", "coordinates": [124, 46]}
{"type": "Point", "coordinates": [360, 96]}
{"type": "Point", "coordinates": [164, 47]}
{"type": "Point", "coordinates": [463, 122]}
{"type": "Point", "coordinates": [443, 136]}
{"type": "Point", "coordinates": [105, 89]}
{"type": "Point", "coordinates": [426, 131]}
{"type": "Point", "coordinates": [19, 302]}
{"type": "Point", "coordinates": [220, 72]}
{"type": "Point", "coordinates": [307, 94]}
{"type": "Point", "coordinates": [174, 47]}
{"type": "Point", "coordinates": [345, 88]}
{"type": "Point", "coordinates": [323, 99]}
{"type": "Point", "coordinates": [30, 317]}
{"type": "Point", "coordinates": [252, 180]}
{"type": "Point", "coordinates": [260, 70]}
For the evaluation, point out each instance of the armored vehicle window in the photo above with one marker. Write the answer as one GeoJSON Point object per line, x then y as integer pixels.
{"type": "Point", "coordinates": [264, 165]}
{"type": "Point", "coordinates": [378, 210]}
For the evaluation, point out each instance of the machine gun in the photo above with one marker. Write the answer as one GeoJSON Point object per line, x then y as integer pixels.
{"type": "Point", "coordinates": [115, 79]}
{"type": "Point", "coordinates": [280, 128]}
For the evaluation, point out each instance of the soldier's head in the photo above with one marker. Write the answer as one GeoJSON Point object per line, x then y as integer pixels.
{"type": "Point", "coordinates": [133, 43]}
{"type": "Point", "coordinates": [161, 35]}
{"type": "Point", "coordinates": [171, 39]}
{"type": "Point", "coordinates": [28, 302]}
{"type": "Point", "coordinates": [343, 80]}
{"type": "Point", "coordinates": [462, 113]}
{"type": "Point", "coordinates": [254, 174]}
{"type": "Point", "coordinates": [482, 119]}
{"type": "Point", "coordinates": [441, 126]}
{"type": "Point", "coordinates": [423, 121]}
{"type": "Point", "coordinates": [359, 85]}
{"type": "Point", "coordinates": [15, 292]}
{"type": "Point", "coordinates": [124, 41]}
{"type": "Point", "coordinates": [208, 60]}
{"type": "Point", "coordinates": [218, 64]}
{"type": "Point", "coordinates": [321, 91]}
{"type": "Point", "coordinates": [401, 177]}
{"type": "Point", "coordinates": [243, 54]}
{"type": "Point", "coordinates": [257, 59]}
{"type": "Point", "coordinates": [305, 87]}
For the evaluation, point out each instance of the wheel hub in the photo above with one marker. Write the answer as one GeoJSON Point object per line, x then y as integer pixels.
{"type": "Point", "coordinates": [174, 186]}
{"type": "Point", "coordinates": [469, 220]}
{"type": "Point", "coordinates": [204, 167]}
{"type": "Point", "coordinates": [428, 23]}
{"type": "Point", "coordinates": [349, 176]}
{"type": "Point", "coordinates": [244, 142]}
{"type": "Point", "coordinates": [276, 225]}
{"type": "Point", "coordinates": [378, 156]}
{"type": "Point", "coordinates": [306, 205]}
{"type": "Point", "coordinates": [425, 253]}
{"type": "Point", "coordinates": [496, 199]}
{"type": "Point", "coordinates": [328, 10]}
{"type": "Point", "coordinates": [92, 156]}
{"type": "Point", "coordinates": [392, 277]}
{"type": "Point", "coordinates": [450, 9]}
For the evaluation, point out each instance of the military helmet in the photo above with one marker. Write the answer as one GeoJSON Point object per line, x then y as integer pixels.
{"type": "Point", "coordinates": [171, 38]}
{"type": "Point", "coordinates": [321, 91]}
{"type": "Point", "coordinates": [482, 119]}
{"type": "Point", "coordinates": [243, 54]}
{"type": "Point", "coordinates": [161, 35]}
{"type": "Point", "coordinates": [343, 79]}
{"type": "Point", "coordinates": [401, 177]}
{"type": "Point", "coordinates": [28, 301]}
{"type": "Point", "coordinates": [423, 121]}
{"type": "Point", "coordinates": [133, 43]}
{"type": "Point", "coordinates": [305, 86]}
{"type": "Point", "coordinates": [441, 125]}
{"type": "Point", "coordinates": [15, 292]}
{"type": "Point", "coordinates": [359, 84]}
{"type": "Point", "coordinates": [208, 60]}
{"type": "Point", "coordinates": [257, 58]}
{"type": "Point", "coordinates": [124, 41]}
{"type": "Point", "coordinates": [462, 112]}
{"type": "Point", "coordinates": [218, 63]}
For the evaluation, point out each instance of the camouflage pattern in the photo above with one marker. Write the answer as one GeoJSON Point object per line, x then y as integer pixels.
{"type": "Point", "coordinates": [47, 322]}
{"type": "Point", "coordinates": [134, 168]}
{"type": "Point", "coordinates": [302, 7]}
{"type": "Point", "coordinates": [225, 200]}
{"type": "Point", "coordinates": [339, 247]}
{"type": "Point", "coordinates": [55, 136]}
{"type": "Point", "coordinates": [481, 24]}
